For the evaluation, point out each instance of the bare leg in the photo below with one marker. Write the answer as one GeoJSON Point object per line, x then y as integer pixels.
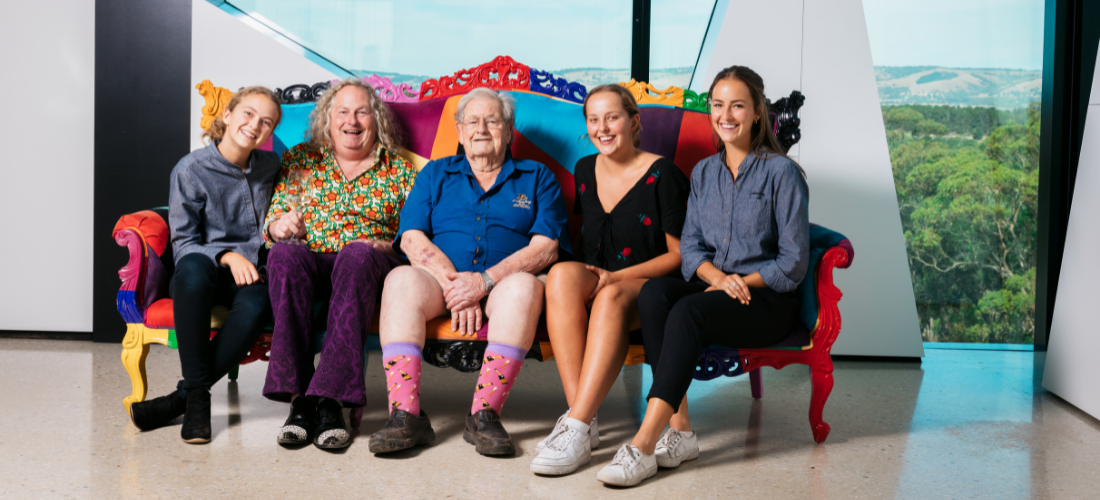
{"type": "Point", "coordinates": [679, 420]}
{"type": "Point", "coordinates": [513, 309]}
{"type": "Point", "coordinates": [657, 414]}
{"type": "Point", "coordinates": [614, 313]}
{"type": "Point", "coordinates": [410, 298]}
{"type": "Point", "coordinates": [567, 289]}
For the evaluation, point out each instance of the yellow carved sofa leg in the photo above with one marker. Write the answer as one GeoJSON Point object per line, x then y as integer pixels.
{"type": "Point", "coordinates": [135, 348]}
{"type": "Point", "coordinates": [134, 351]}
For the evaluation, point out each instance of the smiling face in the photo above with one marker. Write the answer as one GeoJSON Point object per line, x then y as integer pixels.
{"type": "Point", "coordinates": [483, 131]}
{"type": "Point", "coordinates": [610, 127]}
{"type": "Point", "coordinates": [732, 113]}
{"type": "Point", "coordinates": [351, 122]}
{"type": "Point", "coordinates": [250, 124]}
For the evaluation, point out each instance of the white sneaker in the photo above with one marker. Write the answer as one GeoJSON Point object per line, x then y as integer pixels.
{"type": "Point", "coordinates": [593, 433]}
{"type": "Point", "coordinates": [629, 467]}
{"type": "Point", "coordinates": [566, 450]}
{"type": "Point", "coordinates": [674, 448]}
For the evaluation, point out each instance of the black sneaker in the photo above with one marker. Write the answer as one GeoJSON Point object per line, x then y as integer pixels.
{"type": "Point", "coordinates": [301, 422]}
{"type": "Point", "coordinates": [403, 431]}
{"type": "Point", "coordinates": [149, 415]}
{"type": "Point", "coordinates": [487, 434]}
{"type": "Point", "coordinates": [331, 432]}
{"type": "Point", "coordinates": [196, 420]}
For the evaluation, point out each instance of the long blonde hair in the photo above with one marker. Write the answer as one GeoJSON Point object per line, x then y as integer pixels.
{"type": "Point", "coordinates": [217, 129]}
{"type": "Point", "coordinates": [318, 135]}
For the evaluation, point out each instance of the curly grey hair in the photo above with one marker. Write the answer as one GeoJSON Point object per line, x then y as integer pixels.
{"type": "Point", "coordinates": [507, 103]}
{"type": "Point", "coordinates": [318, 134]}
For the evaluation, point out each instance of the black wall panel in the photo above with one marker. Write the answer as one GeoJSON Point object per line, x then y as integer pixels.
{"type": "Point", "coordinates": [1071, 35]}
{"type": "Point", "coordinates": [142, 127]}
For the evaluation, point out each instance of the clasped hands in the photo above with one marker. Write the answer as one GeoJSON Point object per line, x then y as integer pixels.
{"type": "Point", "coordinates": [734, 286]}
{"type": "Point", "coordinates": [463, 293]}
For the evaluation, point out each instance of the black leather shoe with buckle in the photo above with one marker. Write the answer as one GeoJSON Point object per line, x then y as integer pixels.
{"type": "Point", "coordinates": [300, 424]}
{"type": "Point", "coordinates": [487, 434]}
{"type": "Point", "coordinates": [403, 431]}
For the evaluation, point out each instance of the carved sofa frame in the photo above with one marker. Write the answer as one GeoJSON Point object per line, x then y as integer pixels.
{"type": "Point", "coordinates": [142, 298]}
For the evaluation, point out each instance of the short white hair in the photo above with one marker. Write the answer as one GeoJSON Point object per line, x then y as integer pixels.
{"type": "Point", "coordinates": [507, 103]}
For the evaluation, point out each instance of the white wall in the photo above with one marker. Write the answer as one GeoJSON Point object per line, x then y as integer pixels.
{"type": "Point", "coordinates": [1071, 366]}
{"type": "Point", "coordinates": [214, 34]}
{"type": "Point", "coordinates": [843, 150]}
{"type": "Point", "coordinates": [46, 171]}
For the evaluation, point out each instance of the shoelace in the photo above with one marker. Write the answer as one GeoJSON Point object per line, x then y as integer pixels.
{"type": "Point", "coordinates": [625, 457]}
{"type": "Point", "coordinates": [670, 440]}
{"type": "Point", "coordinates": [562, 434]}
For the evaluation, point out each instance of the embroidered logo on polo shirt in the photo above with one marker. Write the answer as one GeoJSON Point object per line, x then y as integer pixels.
{"type": "Point", "coordinates": [521, 201]}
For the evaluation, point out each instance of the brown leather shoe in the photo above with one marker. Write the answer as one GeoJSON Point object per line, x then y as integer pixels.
{"type": "Point", "coordinates": [487, 434]}
{"type": "Point", "coordinates": [403, 431]}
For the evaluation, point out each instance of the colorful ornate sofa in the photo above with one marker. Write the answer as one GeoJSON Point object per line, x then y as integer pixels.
{"type": "Point", "coordinates": [549, 129]}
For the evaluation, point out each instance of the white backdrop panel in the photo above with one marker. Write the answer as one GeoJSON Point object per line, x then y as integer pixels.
{"type": "Point", "coordinates": [47, 168]}
{"type": "Point", "coordinates": [232, 54]}
{"type": "Point", "coordinates": [1071, 369]}
{"type": "Point", "coordinates": [746, 41]}
{"type": "Point", "coordinates": [852, 191]}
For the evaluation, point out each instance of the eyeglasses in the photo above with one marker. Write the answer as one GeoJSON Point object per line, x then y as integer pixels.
{"type": "Point", "coordinates": [493, 123]}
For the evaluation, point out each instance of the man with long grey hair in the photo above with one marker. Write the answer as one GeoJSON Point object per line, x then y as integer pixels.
{"type": "Point", "coordinates": [333, 215]}
{"type": "Point", "coordinates": [477, 229]}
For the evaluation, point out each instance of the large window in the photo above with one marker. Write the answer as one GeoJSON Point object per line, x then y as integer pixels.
{"type": "Point", "coordinates": [412, 41]}
{"type": "Point", "coordinates": [959, 83]}
{"type": "Point", "coordinates": [677, 28]}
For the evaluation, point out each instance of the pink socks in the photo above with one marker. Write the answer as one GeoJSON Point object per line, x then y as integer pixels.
{"type": "Point", "coordinates": [498, 375]}
{"type": "Point", "coordinates": [403, 362]}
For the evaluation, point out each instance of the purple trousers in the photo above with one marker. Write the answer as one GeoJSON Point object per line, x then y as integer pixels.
{"type": "Point", "coordinates": [352, 280]}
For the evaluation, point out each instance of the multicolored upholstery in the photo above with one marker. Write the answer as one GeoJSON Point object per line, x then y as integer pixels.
{"type": "Point", "coordinates": [549, 129]}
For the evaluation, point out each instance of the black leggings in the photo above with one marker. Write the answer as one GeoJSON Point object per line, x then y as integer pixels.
{"type": "Point", "coordinates": [678, 319]}
{"type": "Point", "coordinates": [199, 284]}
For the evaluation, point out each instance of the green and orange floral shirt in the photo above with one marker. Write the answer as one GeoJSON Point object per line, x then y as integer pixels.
{"type": "Point", "coordinates": [338, 211]}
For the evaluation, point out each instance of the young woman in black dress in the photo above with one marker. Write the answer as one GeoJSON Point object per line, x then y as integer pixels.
{"type": "Point", "coordinates": [633, 205]}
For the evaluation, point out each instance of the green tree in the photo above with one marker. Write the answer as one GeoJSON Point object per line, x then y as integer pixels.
{"type": "Point", "coordinates": [929, 127]}
{"type": "Point", "coordinates": [903, 118]}
{"type": "Point", "coordinates": [968, 210]}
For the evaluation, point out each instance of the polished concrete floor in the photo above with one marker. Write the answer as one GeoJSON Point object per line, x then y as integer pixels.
{"type": "Point", "coordinates": [962, 424]}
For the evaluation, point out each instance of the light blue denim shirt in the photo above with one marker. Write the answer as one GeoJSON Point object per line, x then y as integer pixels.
{"type": "Point", "coordinates": [214, 206]}
{"type": "Point", "coordinates": [758, 223]}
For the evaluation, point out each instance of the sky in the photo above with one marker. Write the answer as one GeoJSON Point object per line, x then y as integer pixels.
{"type": "Point", "coordinates": [956, 33]}
{"type": "Point", "coordinates": [434, 37]}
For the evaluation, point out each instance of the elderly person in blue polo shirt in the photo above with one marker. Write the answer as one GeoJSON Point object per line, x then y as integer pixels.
{"type": "Point", "coordinates": [477, 228]}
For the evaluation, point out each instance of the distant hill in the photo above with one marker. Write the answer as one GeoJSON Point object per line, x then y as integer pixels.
{"type": "Point", "coordinates": [1000, 88]}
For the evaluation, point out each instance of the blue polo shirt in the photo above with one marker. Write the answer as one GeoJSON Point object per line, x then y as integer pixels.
{"type": "Point", "coordinates": [475, 228]}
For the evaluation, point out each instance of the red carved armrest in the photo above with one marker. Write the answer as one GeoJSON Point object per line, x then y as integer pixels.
{"type": "Point", "coordinates": [145, 236]}
{"type": "Point", "coordinates": [828, 296]}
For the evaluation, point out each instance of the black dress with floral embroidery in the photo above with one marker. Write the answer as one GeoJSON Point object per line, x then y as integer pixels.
{"type": "Point", "coordinates": [634, 231]}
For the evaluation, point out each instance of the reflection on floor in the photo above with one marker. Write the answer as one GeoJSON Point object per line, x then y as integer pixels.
{"type": "Point", "coordinates": [963, 424]}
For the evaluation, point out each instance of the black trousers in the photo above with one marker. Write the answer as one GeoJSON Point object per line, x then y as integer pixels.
{"type": "Point", "coordinates": [199, 284]}
{"type": "Point", "coordinates": [679, 318]}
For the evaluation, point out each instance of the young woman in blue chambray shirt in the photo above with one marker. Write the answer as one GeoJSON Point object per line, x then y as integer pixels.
{"type": "Point", "coordinates": [744, 248]}
{"type": "Point", "coordinates": [217, 201]}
